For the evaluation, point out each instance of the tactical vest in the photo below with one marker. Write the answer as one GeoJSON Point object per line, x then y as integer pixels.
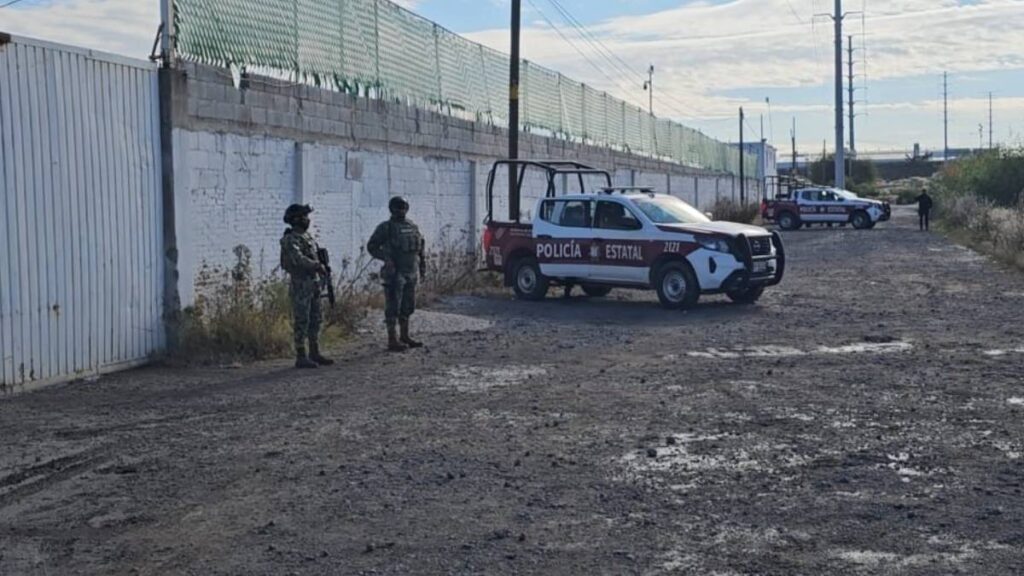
{"type": "Point", "coordinates": [404, 241]}
{"type": "Point", "coordinates": [304, 244]}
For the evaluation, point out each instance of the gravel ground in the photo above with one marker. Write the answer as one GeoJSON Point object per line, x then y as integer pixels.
{"type": "Point", "coordinates": [864, 418]}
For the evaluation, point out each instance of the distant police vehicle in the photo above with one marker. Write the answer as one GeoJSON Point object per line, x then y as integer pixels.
{"type": "Point", "coordinates": [827, 206]}
{"type": "Point", "coordinates": [628, 238]}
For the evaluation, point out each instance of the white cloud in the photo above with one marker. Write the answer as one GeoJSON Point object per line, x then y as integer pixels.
{"type": "Point", "coordinates": [701, 52]}
{"type": "Point", "coordinates": [701, 49]}
{"type": "Point", "coordinates": [120, 26]}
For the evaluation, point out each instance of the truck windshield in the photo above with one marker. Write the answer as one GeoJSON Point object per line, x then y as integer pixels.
{"type": "Point", "coordinates": [669, 210]}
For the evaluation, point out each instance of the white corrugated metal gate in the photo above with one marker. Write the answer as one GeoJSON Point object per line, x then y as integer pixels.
{"type": "Point", "coordinates": [80, 212]}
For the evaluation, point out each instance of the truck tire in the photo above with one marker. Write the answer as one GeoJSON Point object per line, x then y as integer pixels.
{"type": "Point", "coordinates": [788, 221]}
{"type": "Point", "coordinates": [860, 220]}
{"type": "Point", "coordinates": [527, 281]}
{"type": "Point", "coordinates": [747, 295]}
{"type": "Point", "coordinates": [676, 285]}
{"type": "Point", "coordinates": [596, 291]}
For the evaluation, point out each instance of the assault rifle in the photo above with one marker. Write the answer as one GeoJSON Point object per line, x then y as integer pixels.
{"type": "Point", "coordinates": [325, 259]}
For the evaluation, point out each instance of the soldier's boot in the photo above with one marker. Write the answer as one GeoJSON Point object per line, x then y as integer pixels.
{"type": "Point", "coordinates": [394, 344]}
{"type": "Point", "coordinates": [405, 338]}
{"type": "Point", "coordinates": [303, 361]}
{"type": "Point", "coordinates": [316, 356]}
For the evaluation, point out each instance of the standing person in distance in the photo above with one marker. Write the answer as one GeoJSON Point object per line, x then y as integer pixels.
{"type": "Point", "coordinates": [924, 209]}
{"type": "Point", "coordinates": [299, 260]}
{"type": "Point", "coordinates": [400, 245]}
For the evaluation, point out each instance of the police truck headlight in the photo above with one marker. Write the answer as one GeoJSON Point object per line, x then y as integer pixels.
{"type": "Point", "coordinates": [715, 244]}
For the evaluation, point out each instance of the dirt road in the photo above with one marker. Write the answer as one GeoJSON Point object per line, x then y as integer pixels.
{"type": "Point", "coordinates": [864, 418]}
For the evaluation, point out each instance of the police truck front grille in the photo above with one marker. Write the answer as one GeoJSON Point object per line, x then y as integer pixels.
{"type": "Point", "coordinates": [761, 246]}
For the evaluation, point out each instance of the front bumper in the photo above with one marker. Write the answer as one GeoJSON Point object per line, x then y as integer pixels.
{"type": "Point", "coordinates": [758, 270]}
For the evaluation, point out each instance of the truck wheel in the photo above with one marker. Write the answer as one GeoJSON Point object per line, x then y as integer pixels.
{"type": "Point", "coordinates": [747, 295]}
{"type": "Point", "coordinates": [860, 220]}
{"type": "Point", "coordinates": [676, 285]}
{"type": "Point", "coordinates": [527, 281]}
{"type": "Point", "coordinates": [788, 221]}
{"type": "Point", "coordinates": [595, 291]}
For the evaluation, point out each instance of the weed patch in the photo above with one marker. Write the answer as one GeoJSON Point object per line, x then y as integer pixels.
{"type": "Point", "coordinates": [244, 319]}
{"type": "Point", "coordinates": [731, 211]}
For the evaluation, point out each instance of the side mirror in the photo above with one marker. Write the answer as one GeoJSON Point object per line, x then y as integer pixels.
{"type": "Point", "coordinates": [709, 215]}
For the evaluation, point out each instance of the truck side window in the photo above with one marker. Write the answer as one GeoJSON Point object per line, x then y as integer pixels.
{"type": "Point", "coordinates": [575, 214]}
{"type": "Point", "coordinates": [547, 211]}
{"type": "Point", "coordinates": [614, 216]}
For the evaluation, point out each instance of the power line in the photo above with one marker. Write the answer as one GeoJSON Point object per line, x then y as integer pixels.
{"type": "Point", "coordinates": [614, 82]}
{"type": "Point", "coordinates": [575, 47]}
{"type": "Point", "coordinates": [614, 59]}
{"type": "Point", "coordinates": [793, 12]}
{"type": "Point", "coordinates": [11, 3]}
{"type": "Point", "coordinates": [573, 44]}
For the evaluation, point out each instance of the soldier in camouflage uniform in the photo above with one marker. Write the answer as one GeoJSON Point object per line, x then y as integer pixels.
{"type": "Point", "coordinates": [299, 260]}
{"type": "Point", "coordinates": [400, 245]}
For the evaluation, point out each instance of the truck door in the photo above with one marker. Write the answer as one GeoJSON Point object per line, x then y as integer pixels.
{"type": "Point", "coordinates": [564, 238]}
{"type": "Point", "coordinates": [619, 243]}
{"type": "Point", "coordinates": [836, 207]}
{"type": "Point", "coordinates": [812, 208]}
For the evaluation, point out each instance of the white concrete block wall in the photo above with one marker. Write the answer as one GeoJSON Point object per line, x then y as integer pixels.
{"type": "Point", "coordinates": [656, 180]}
{"type": "Point", "coordinates": [229, 190]}
{"type": "Point", "coordinates": [684, 186]}
{"type": "Point", "coordinates": [232, 189]}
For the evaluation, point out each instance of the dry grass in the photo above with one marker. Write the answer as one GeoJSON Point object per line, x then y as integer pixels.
{"type": "Point", "coordinates": [245, 319]}
{"type": "Point", "coordinates": [990, 229]}
{"type": "Point", "coordinates": [730, 211]}
{"type": "Point", "coordinates": [241, 319]}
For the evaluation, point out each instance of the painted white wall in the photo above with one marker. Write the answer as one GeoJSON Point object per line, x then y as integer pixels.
{"type": "Point", "coordinates": [231, 190]}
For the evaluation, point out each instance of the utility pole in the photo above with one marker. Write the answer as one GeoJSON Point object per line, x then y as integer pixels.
{"type": "Point", "coordinates": [792, 136]}
{"type": "Point", "coordinates": [824, 156]}
{"type": "Point", "coordinates": [945, 118]}
{"type": "Point", "coordinates": [849, 91]}
{"type": "Point", "coordinates": [649, 87]}
{"type": "Point", "coordinates": [989, 120]}
{"type": "Point", "coordinates": [981, 137]}
{"type": "Point", "coordinates": [762, 158]}
{"type": "Point", "coordinates": [513, 113]}
{"type": "Point", "coordinates": [743, 182]}
{"type": "Point", "coordinates": [840, 132]}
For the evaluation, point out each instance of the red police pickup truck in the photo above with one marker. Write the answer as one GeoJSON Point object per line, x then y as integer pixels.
{"type": "Point", "coordinates": [625, 238]}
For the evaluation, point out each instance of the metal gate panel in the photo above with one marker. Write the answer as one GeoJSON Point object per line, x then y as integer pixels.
{"type": "Point", "coordinates": [80, 263]}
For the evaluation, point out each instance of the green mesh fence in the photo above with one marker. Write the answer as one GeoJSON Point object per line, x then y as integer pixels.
{"type": "Point", "coordinates": [377, 49]}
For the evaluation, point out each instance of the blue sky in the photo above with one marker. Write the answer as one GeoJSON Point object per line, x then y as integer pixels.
{"type": "Point", "coordinates": [473, 15]}
{"type": "Point", "coordinates": [711, 56]}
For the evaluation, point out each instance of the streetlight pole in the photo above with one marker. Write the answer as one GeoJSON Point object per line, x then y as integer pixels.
{"type": "Point", "coordinates": [649, 87]}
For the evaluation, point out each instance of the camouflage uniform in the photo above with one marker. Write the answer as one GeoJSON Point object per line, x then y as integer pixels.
{"type": "Point", "coordinates": [400, 245]}
{"type": "Point", "coordinates": [298, 258]}
{"type": "Point", "coordinates": [400, 242]}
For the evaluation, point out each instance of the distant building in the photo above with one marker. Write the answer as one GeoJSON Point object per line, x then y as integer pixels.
{"type": "Point", "coordinates": [767, 159]}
